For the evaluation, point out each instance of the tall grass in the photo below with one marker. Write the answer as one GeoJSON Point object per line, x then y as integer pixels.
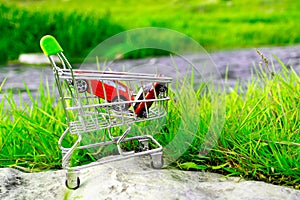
{"type": "Point", "coordinates": [260, 139]}
{"type": "Point", "coordinates": [21, 30]}
{"type": "Point", "coordinates": [29, 131]}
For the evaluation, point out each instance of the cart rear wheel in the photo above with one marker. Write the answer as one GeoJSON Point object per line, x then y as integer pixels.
{"type": "Point", "coordinates": [144, 145]}
{"type": "Point", "coordinates": [71, 185]}
{"type": "Point", "coordinates": [157, 164]}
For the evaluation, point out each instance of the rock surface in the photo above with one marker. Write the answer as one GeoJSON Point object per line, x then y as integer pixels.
{"type": "Point", "coordinates": [134, 179]}
{"type": "Point", "coordinates": [35, 59]}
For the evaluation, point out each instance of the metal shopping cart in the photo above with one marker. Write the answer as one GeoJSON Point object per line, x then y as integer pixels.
{"type": "Point", "coordinates": [101, 101]}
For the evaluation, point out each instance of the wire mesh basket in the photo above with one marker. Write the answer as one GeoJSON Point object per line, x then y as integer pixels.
{"type": "Point", "coordinates": [96, 101]}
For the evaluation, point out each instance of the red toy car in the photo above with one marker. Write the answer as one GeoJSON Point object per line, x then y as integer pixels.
{"type": "Point", "coordinates": [115, 91]}
{"type": "Point", "coordinates": [112, 91]}
{"type": "Point", "coordinates": [148, 92]}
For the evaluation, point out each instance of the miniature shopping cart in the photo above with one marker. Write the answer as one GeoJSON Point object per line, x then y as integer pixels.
{"type": "Point", "coordinates": [103, 101]}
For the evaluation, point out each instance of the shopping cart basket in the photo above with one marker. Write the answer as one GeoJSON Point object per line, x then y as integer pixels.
{"type": "Point", "coordinates": [101, 101]}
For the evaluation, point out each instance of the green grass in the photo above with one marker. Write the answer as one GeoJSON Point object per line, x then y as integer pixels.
{"type": "Point", "coordinates": [26, 132]}
{"type": "Point", "coordinates": [215, 24]}
{"type": "Point", "coordinates": [22, 29]}
{"type": "Point", "coordinates": [259, 141]}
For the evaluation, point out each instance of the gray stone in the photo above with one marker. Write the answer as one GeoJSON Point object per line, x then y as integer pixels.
{"type": "Point", "coordinates": [35, 58]}
{"type": "Point", "coordinates": [134, 179]}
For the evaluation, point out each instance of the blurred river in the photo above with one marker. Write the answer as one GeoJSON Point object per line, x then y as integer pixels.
{"type": "Point", "coordinates": [240, 64]}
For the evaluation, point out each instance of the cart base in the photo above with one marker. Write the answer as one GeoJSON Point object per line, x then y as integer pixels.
{"type": "Point", "coordinates": [156, 155]}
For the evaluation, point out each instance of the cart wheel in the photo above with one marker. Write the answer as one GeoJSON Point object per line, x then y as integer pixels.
{"type": "Point", "coordinates": [144, 145]}
{"type": "Point", "coordinates": [72, 185]}
{"type": "Point", "coordinates": [157, 161]}
{"type": "Point", "coordinates": [81, 85]}
{"type": "Point", "coordinates": [122, 106]}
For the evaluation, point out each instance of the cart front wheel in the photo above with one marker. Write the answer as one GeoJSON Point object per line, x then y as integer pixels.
{"type": "Point", "coordinates": [72, 185]}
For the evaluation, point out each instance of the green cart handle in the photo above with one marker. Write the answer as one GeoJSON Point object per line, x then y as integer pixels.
{"type": "Point", "coordinates": [50, 46]}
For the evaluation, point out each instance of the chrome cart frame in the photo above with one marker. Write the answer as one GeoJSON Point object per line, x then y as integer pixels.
{"type": "Point", "coordinates": [101, 101]}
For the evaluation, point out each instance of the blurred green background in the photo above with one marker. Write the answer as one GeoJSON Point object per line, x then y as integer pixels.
{"type": "Point", "coordinates": [79, 26]}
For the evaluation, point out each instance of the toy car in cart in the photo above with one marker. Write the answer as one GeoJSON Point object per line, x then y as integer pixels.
{"type": "Point", "coordinates": [116, 91]}
{"type": "Point", "coordinates": [111, 90]}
